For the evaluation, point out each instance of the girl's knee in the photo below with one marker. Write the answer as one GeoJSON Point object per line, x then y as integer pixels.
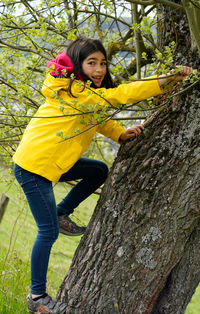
{"type": "Point", "coordinates": [56, 234]}
{"type": "Point", "coordinates": [49, 235]}
{"type": "Point", "coordinates": [102, 170]}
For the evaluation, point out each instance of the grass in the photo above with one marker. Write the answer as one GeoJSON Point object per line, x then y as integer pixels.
{"type": "Point", "coordinates": [17, 234]}
{"type": "Point", "coordinates": [194, 305]}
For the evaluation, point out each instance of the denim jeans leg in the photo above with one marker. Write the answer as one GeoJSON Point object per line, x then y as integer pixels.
{"type": "Point", "coordinates": [41, 200]}
{"type": "Point", "coordinates": [92, 173]}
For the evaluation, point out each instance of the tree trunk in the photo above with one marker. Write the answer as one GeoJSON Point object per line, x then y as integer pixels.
{"type": "Point", "coordinates": [141, 250]}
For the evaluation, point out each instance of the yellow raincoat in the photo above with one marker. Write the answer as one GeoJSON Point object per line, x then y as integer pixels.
{"type": "Point", "coordinates": [41, 151]}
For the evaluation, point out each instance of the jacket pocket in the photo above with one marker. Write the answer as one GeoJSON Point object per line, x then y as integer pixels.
{"type": "Point", "coordinates": [68, 154]}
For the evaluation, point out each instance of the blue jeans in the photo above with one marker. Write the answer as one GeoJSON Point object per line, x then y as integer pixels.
{"type": "Point", "coordinates": [41, 200]}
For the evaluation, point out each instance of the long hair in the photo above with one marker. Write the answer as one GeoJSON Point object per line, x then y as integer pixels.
{"type": "Point", "coordinates": [79, 50]}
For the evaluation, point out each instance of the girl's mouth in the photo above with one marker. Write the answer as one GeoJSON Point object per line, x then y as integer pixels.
{"type": "Point", "coordinates": [98, 79]}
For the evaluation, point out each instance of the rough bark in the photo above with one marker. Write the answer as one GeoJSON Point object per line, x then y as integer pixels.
{"type": "Point", "coordinates": [141, 250]}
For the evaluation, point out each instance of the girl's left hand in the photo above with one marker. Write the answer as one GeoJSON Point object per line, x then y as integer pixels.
{"type": "Point", "coordinates": [129, 133]}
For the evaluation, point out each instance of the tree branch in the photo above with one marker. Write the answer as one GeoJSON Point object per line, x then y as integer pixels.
{"type": "Point", "coordinates": [22, 48]}
{"type": "Point", "coordinates": [130, 118]}
{"type": "Point", "coordinates": [138, 40]}
{"type": "Point", "coordinates": [193, 15]}
{"type": "Point", "coordinates": [153, 2]}
{"type": "Point", "coordinates": [106, 15]}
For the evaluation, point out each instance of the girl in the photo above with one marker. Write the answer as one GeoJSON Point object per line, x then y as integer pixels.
{"type": "Point", "coordinates": [42, 157]}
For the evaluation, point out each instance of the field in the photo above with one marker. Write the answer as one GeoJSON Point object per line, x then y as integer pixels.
{"type": "Point", "coordinates": [17, 234]}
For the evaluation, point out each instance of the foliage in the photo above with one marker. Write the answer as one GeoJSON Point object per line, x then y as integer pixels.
{"type": "Point", "coordinates": [32, 32]}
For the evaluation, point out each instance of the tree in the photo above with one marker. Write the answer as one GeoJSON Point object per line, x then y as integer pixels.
{"type": "Point", "coordinates": [140, 252]}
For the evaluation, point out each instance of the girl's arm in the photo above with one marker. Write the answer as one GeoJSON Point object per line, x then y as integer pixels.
{"type": "Point", "coordinates": [135, 131]}
{"type": "Point", "coordinates": [112, 130]}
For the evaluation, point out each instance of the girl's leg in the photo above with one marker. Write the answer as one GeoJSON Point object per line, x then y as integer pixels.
{"type": "Point", "coordinates": [92, 173]}
{"type": "Point", "coordinates": [39, 194]}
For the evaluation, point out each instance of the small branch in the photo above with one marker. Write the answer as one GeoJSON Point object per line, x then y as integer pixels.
{"type": "Point", "coordinates": [22, 48]}
{"type": "Point", "coordinates": [138, 38]}
{"type": "Point", "coordinates": [34, 104]}
{"type": "Point", "coordinates": [106, 15]}
{"type": "Point", "coordinates": [197, 5]}
{"type": "Point", "coordinates": [35, 13]}
{"type": "Point", "coordinates": [129, 118]}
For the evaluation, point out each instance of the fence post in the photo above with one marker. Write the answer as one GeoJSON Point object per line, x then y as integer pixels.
{"type": "Point", "coordinates": [3, 204]}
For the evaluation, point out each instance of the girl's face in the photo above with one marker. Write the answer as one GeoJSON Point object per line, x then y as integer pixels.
{"type": "Point", "coordinates": [95, 67]}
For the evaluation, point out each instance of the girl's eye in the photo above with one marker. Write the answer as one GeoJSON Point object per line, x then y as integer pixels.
{"type": "Point", "coordinates": [93, 63]}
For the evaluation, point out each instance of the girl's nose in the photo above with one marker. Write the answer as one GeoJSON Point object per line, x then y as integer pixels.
{"type": "Point", "coordinates": [99, 68]}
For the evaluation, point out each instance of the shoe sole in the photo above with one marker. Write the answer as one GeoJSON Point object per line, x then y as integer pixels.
{"type": "Point", "coordinates": [70, 234]}
{"type": "Point", "coordinates": [64, 311]}
{"type": "Point", "coordinates": [41, 312]}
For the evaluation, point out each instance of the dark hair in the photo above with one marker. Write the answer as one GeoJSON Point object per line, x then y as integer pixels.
{"type": "Point", "coordinates": [79, 50]}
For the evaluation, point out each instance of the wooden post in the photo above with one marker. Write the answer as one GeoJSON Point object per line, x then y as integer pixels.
{"type": "Point", "coordinates": [3, 205]}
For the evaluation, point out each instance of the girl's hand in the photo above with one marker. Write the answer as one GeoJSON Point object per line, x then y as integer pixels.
{"type": "Point", "coordinates": [183, 74]}
{"type": "Point", "coordinates": [129, 133]}
{"type": "Point", "coordinates": [178, 77]}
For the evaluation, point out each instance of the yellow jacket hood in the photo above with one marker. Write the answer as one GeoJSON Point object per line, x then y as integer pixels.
{"type": "Point", "coordinates": [53, 85]}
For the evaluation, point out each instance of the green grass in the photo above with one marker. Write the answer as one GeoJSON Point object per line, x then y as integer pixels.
{"type": "Point", "coordinates": [17, 234]}
{"type": "Point", "coordinates": [194, 305]}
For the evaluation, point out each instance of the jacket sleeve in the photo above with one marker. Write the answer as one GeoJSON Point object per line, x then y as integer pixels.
{"type": "Point", "coordinates": [111, 129]}
{"type": "Point", "coordinates": [123, 94]}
